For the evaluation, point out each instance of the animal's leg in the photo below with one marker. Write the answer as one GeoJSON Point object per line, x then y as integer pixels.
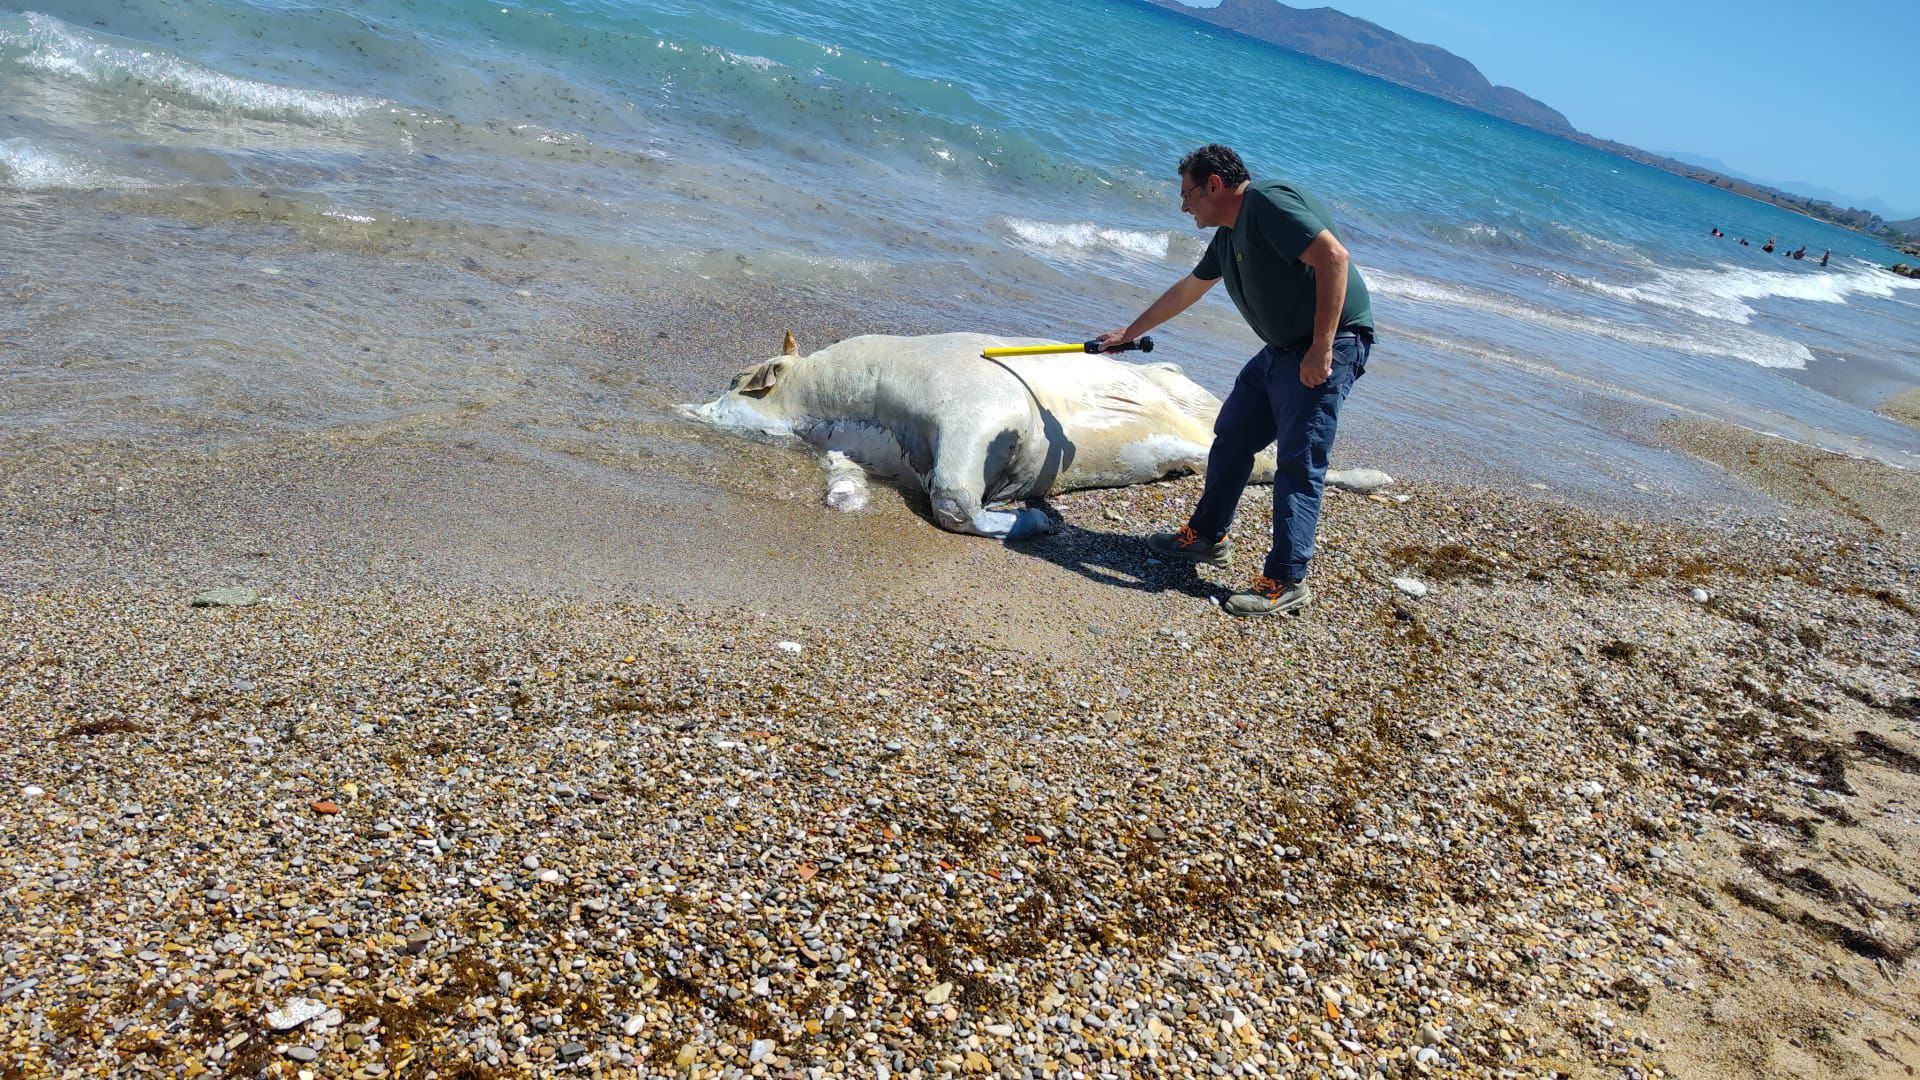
{"type": "Point", "coordinates": [1263, 466]}
{"type": "Point", "coordinates": [846, 482]}
{"type": "Point", "coordinates": [959, 510]}
{"type": "Point", "coordinates": [954, 490]}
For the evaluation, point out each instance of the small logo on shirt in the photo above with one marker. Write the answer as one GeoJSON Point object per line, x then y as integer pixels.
{"type": "Point", "coordinates": [1239, 256]}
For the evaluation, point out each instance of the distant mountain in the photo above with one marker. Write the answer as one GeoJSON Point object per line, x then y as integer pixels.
{"type": "Point", "coordinates": [1361, 45]}
{"type": "Point", "coordinates": [1799, 187]}
{"type": "Point", "coordinates": [1705, 162]}
{"type": "Point", "coordinates": [1840, 198]}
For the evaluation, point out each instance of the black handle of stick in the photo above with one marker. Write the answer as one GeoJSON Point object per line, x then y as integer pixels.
{"type": "Point", "coordinates": [1145, 344]}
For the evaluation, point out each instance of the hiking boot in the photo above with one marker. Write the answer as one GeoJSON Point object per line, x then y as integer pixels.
{"type": "Point", "coordinates": [1187, 546]}
{"type": "Point", "coordinates": [1268, 597]}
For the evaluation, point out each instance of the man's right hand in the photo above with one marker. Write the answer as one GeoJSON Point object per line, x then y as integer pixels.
{"type": "Point", "coordinates": [1113, 339]}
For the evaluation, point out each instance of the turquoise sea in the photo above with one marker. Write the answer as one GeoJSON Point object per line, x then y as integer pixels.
{"type": "Point", "coordinates": [228, 220]}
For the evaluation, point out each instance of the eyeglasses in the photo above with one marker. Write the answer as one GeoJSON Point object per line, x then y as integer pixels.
{"type": "Point", "coordinates": [1187, 191]}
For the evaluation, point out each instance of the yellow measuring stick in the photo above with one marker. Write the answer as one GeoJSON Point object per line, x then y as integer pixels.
{"type": "Point", "coordinates": [1145, 344]}
{"type": "Point", "coordinates": [1031, 350]}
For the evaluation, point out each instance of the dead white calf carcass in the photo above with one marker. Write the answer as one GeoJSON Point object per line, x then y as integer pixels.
{"type": "Point", "coordinates": [973, 432]}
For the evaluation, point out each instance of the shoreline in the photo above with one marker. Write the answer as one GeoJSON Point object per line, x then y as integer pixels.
{"type": "Point", "coordinates": [1032, 809]}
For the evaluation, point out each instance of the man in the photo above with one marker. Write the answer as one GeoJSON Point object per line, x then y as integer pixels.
{"type": "Point", "coordinates": [1294, 283]}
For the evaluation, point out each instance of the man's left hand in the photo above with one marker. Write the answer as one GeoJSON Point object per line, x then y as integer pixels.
{"type": "Point", "coordinates": [1317, 365]}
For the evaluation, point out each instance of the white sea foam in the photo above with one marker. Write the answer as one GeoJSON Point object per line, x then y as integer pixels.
{"type": "Point", "coordinates": [1751, 346]}
{"type": "Point", "coordinates": [758, 63]}
{"type": "Point", "coordinates": [44, 43]}
{"type": "Point", "coordinates": [1088, 238]}
{"type": "Point", "coordinates": [34, 168]}
{"type": "Point", "coordinates": [1722, 293]}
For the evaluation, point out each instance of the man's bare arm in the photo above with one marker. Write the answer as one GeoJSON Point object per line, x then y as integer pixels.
{"type": "Point", "coordinates": [1175, 300]}
{"type": "Point", "coordinates": [1329, 259]}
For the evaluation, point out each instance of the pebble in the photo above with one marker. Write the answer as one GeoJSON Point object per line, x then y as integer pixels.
{"type": "Point", "coordinates": [294, 1012]}
{"type": "Point", "coordinates": [1413, 587]}
{"type": "Point", "coordinates": [1124, 858]}
{"type": "Point", "coordinates": [226, 596]}
{"type": "Point", "coordinates": [1363, 481]}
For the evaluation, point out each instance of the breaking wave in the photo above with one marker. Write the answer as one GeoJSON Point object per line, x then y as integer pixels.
{"type": "Point", "coordinates": [1087, 238]}
{"type": "Point", "coordinates": [43, 43]}
{"type": "Point", "coordinates": [29, 167]}
{"type": "Point", "coordinates": [1723, 293]}
{"type": "Point", "coordinates": [1752, 347]}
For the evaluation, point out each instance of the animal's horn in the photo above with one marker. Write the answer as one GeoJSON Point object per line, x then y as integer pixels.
{"type": "Point", "coordinates": [789, 347]}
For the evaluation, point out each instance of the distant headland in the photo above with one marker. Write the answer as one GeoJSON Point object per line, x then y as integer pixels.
{"type": "Point", "coordinates": [1371, 49]}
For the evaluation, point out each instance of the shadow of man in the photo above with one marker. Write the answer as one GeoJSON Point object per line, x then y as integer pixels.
{"type": "Point", "coordinates": [1120, 560]}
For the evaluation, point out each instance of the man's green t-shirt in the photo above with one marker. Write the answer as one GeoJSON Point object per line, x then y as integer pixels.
{"type": "Point", "coordinates": [1259, 256]}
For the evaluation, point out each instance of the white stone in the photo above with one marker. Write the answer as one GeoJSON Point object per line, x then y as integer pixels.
{"type": "Point", "coordinates": [633, 1025]}
{"type": "Point", "coordinates": [1413, 587]}
{"type": "Point", "coordinates": [295, 1012]}
{"type": "Point", "coordinates": [1700, 596]}
{"type": "Point", "coordinates": [788, 646]}
{"type": "Point", "coordinates": [1364, 481]}
{"type": "Point", "coordinates": [33, 792]}
{"type": "Point", "coordinates": [226, 596]}
{"type": "Point", "coordinates": [759, 1051]}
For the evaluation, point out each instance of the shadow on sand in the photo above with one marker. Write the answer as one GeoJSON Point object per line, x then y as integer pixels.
{"type": "Point", "coordinates": [1117, 559]}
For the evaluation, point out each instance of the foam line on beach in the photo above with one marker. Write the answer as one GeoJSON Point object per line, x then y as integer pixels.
{"type": "Point", "coordinates": [1764, 350]}
{"type": "Point", "coordinates": [1085, 238]}
{"type": "Point", "coordinates": [30, 167]}
{"type": "Point", "coordinates": [1722, 293]}
{"type": "Point", "coordinates": [43, 43]}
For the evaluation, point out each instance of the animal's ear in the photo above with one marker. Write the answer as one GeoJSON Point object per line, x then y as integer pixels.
{"type": "Point", "coordinates": [789, 347]}
{"type": "Point", "coordinates": [761, 378]}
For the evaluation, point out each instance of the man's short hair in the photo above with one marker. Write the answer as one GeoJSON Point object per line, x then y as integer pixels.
{"type": "Point", "coordinates": [1214, 160]}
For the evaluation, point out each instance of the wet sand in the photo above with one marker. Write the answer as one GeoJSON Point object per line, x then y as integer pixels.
{"type": "Point", "coordinates": [1904, 407]}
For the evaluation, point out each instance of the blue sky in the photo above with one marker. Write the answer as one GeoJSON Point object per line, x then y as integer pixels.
{"type": "Point", "coordinates": [1781, 92]}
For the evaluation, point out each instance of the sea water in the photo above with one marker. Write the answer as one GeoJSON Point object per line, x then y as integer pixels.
{"type": "Point", "coordinates": [227, 221]}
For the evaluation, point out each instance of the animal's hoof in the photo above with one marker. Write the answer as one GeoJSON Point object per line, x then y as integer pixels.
{"type": "Point", "coordinates": [1028, 524]}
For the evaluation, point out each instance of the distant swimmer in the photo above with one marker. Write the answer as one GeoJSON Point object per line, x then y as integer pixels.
{"type": "Point", "coordinates": [1743, 242]}
{"type": "Point", "coordinates": [1768, 246]}
{"type": "Point", "coordinates": [1825, 255]}
{"type": "Point", "coordinates": [1717, 232]}
{"type": "Point", "coordinates": [1800, 252]}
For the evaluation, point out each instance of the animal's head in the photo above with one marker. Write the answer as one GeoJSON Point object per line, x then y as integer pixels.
{"type": "Point", "coordinates": [752, 398]}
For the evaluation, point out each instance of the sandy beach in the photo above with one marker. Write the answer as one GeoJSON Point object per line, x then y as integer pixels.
{"type": "Point", "coordinates": [511, 771]}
